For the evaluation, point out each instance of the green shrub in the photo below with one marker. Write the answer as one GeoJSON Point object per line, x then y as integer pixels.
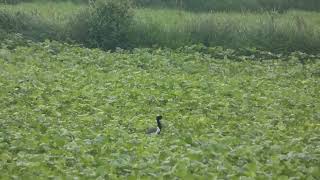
{"type": "Point", "coordinates": [78, 26]}
{"type": "Point", "coordinates": [10, 21]}
{"type": "Point", "coordinates": [31, 26]}
{"type": "Point", "coordinates": [104, 24]}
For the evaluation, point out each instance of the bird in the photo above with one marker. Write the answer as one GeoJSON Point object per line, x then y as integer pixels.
{"type": "Point", "coordinates": [156, 130]}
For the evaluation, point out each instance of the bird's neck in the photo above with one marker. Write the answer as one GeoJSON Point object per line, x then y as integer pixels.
{"type": "Point", "coordinates": [159, 124]}
{"type": "Point", "coordinates": [158, 130]}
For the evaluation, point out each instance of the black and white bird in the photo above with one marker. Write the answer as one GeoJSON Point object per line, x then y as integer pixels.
{"type": "Point", "coordinates": [156, 130]}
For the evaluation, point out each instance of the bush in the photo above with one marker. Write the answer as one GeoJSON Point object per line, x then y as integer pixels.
{"type": "Point", "coordinates": [10, 21]}
{"type": "Point", "coordinates": [30, 26]}
{"type": "Point", "coordinates": [105, 24]}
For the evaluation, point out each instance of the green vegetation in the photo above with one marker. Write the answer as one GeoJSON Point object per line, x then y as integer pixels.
{"type": "Point", "coordinates": [57, 13]}
{"type": "Point", "coordinates": [233, 5]}
{"type": "Point", "coordinates": [271, 31]}
{"type": "Point", "coordinates": [103, 24]}
{"type": "Point", "coordinates": [291, 31]}
{"type": "Point", "coordinates": [37, 21]}
{"type": "Point", "coordinates": [210, 5]}
{"type": "Point", "coordinates": [238, 89]}
{"type": "Point", "coordinates": [72, 112]}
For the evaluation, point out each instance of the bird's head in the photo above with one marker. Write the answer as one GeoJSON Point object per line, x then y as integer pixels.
{"type": "Point", "coordinates": [159, 117]}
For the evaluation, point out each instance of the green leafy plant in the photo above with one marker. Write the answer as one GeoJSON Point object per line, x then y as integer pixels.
{"type": "Point", "coordinates": [70, 112]}
{"type": "Point", "coordinates": [105, 24]}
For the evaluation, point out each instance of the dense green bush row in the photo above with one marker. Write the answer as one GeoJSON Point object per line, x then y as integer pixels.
{"type": "Point", "coordinates": [103, 24]}
{"type": "Point", "coordinates": [271, 31]}
{"type": "Point", "coordinates": [111, 24]}
{"type": "Point", "coordinates": [215, 5]}
{"type": "Point", "coordinates": [231, 5]}
{"type": "Point", "coordinates": [31, 26]}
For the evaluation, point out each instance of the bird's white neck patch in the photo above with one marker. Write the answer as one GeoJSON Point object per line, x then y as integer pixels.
{"type": "Point", "coordinates": [158, 130]}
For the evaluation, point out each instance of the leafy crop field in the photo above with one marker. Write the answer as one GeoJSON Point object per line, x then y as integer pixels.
{"type": "Point", "coordinates": [69, 112]}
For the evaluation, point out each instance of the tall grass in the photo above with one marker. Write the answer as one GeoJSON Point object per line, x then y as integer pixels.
{"type": "Point", "coordinates": [54, 12]}
{"type": "Point", "coordinates": [38, 21]}
{"type": "Point", "coordinates": [233, 5]}
{"type": "Point", "coordinates": [32, 27]}
{"type": "Point", "coordinates": [272, 31]}
{"type": "Point", "coordinates": [208, 5]}
{"type": "Point", "coordinates": [290, 31]}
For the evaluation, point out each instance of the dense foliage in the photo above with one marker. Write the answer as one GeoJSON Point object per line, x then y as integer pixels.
{"type": "Point", "coordinates": [234, 5]}
{"type": "Point", "coordinates": [271, 31]}
{"type": "Point", "coordinates": [215, 5]}
{"type": "Point", "coordinates": [105, 24]}
{"type": "Point", "coordinates": [31, 26]}
{"type": "Point", "coordinates": [94, 27]}
{"type": "Point", "coordinates": [70, 112]}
